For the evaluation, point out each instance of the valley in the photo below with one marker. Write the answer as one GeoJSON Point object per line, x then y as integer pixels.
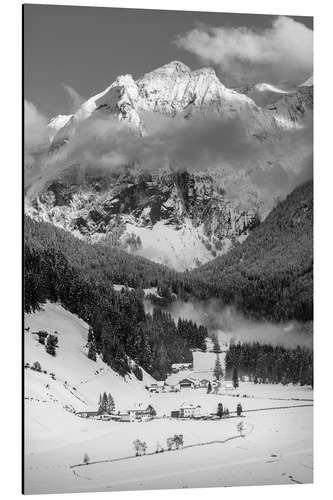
{"type": "Point", "coordinates": [168, 285]}
{"type": "Point", "coordinates": [57, 439]}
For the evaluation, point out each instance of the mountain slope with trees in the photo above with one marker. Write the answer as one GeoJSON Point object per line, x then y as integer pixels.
{"type": "Point", "coordinates": [271, 274]}
{"type": "Point", "coordinates": [61, 268]}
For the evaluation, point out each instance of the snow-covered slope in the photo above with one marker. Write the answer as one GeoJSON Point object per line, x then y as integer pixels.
{"type": "Point", "coordinates": [56, 123]}
{"type": "Point", "coordinates": [308, 82]}
{"type": "Point", "coordinates": [78, 380]}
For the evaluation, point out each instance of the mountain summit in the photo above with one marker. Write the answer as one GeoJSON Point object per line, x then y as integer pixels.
{"type": "Point", "coordinates": [170, 214]}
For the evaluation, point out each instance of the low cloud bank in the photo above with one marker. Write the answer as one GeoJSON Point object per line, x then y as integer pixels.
{"type": "Point", "coordinates": [102, 142]}
{"type": "Point", "coordinates": [218, 318]}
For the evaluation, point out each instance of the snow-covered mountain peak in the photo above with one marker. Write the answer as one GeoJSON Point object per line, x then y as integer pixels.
{"type": "Point", "coordinates": [308, 82]}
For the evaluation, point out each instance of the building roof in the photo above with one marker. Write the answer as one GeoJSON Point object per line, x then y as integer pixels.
{"type": "Point", "coordinates": [189, 406]}
{"type": "Point", "coordinates": [187, 380]}
{"type": "Point", "coordinates": [141, 407]}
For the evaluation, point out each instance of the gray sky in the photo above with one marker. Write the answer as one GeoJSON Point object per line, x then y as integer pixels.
{"type": "Point", "coordinates": [86, 48]}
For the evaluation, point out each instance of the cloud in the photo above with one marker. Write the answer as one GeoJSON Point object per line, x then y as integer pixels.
{"type": "Point", "coordinates": [35, 127]}
{"type": "Point", "coordinates": [219, 318]}
{"type": "Point", "coordinates": [103, 144]}
{"type": "Point", "coordinates": [75, 98]}
{"type": "Point", "coordinates": [282, 52]}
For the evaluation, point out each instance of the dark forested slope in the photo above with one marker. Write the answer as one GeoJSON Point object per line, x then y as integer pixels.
{"type": "Point", "coordinates": [271, 274]}
{"type": "Point", "coordinates": [59, 267]}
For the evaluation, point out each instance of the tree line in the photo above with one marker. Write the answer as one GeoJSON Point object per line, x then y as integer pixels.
{"type": "Point", "coordinates": [265, 363]}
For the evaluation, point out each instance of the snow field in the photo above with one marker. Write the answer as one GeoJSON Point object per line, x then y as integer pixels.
{"type": "Point", "coordinates": [56, 439]}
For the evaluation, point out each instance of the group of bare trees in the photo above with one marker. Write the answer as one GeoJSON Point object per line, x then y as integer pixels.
{"type": "Point", "coordinates": [175, 442]}
{"type": "Point", "coordinates": [172, 443]}
{"type": "Point", "coordinates": [140, 447]}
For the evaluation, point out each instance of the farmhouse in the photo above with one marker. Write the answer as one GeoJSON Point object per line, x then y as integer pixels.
{"type": "Point", "coordinates": [176, 367]}
{"type": "Point", "coordinates": [87, 414]}
{"type": "Point", "coordinates": [159, 386]}
{"type": "Point", "coordinates": [188, 383]}
{"type": "Point", "coordinates": [189, 410]}
{"type": "Point", "coordinates": [141, 413]}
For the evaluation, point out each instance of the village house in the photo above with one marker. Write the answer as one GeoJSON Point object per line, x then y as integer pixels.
{"type": "Point", "coordinates": [159, 386]}
{"type": "Point", "coordinates": [177, 367]}
{"type": "Point", "coordinates": [190, 410]}
{"type": "Point", "coordinates": [122, 417]}
{"type": "Point", "coordinates": [139, 412]}
{"type": "Point", "coordinates": [87, 414]}
{"type": "Point", "coordinates": [188, 383]}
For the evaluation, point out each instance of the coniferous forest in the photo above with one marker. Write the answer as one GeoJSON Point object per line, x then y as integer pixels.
{"type": "Point", "coordinates": [57, 268]}
{"type": "Point", "coordinates": [271, 274]}
{"type": "Point", "coordinates": [265, 363]}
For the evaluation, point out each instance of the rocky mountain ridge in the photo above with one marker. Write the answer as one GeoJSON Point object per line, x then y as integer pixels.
{"type": "Point", "coordinates": [172, 216]}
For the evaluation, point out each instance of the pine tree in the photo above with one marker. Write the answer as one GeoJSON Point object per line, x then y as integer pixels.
{"type": "Point", "coordinates": [90, 335]}
{"type": "Point", "coordinates": [42, 334]}
{"type": "Point", "coordinates": [110, 405]}
{"type": "Point", "coordinates": [51, 344]}
{"type": "Point", "coordinates": [209, 388]}
{"type": "Point", "coordinates": [86, 459]}
{"type": "Point", "coordinates": [235, 378]}
{"type": "Point", "coordinates": [92, 351]}
{"type": "Point", "coordinates": [103, 404]}
{"type": "Point", "coordinates": [218, 372]}
{"type": "Point", "coordinates": [37, 366]}
{"type": "Point", "coordinates": [216, 345]}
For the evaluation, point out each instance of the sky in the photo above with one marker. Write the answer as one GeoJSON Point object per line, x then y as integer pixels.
{"type": "Point", "coordinates": [72, 53]}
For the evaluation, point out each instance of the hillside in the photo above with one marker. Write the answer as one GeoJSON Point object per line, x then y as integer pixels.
{"type": "Point", "coordinates": [271, 274]}
{"type": "Point", "coordinates": [78, 379]}
{"type": "Point", "coordinates": [58, 270]}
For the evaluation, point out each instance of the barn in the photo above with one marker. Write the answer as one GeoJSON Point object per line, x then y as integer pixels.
{"type": "Point", "coordinates": [187, 383]}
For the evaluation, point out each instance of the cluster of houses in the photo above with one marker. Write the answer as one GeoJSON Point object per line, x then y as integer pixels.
{"type": "Point", "coordinates": [139, 412]}
{"type": "Point", "coordinates": [178, 367]}
{"type": "Point", "coordinates": [143, 413]}
{"type": "Point", "coordinates": [189, 383]}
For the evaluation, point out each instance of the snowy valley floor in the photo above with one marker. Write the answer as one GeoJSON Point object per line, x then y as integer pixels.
{"type": "Point", "coordinates": [276, 449]}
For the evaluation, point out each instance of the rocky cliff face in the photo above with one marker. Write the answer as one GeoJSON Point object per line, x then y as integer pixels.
{"type": "Point", "coordinates": [171, 216]}
{"type": "Point", "coordinates": [178, 219]}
